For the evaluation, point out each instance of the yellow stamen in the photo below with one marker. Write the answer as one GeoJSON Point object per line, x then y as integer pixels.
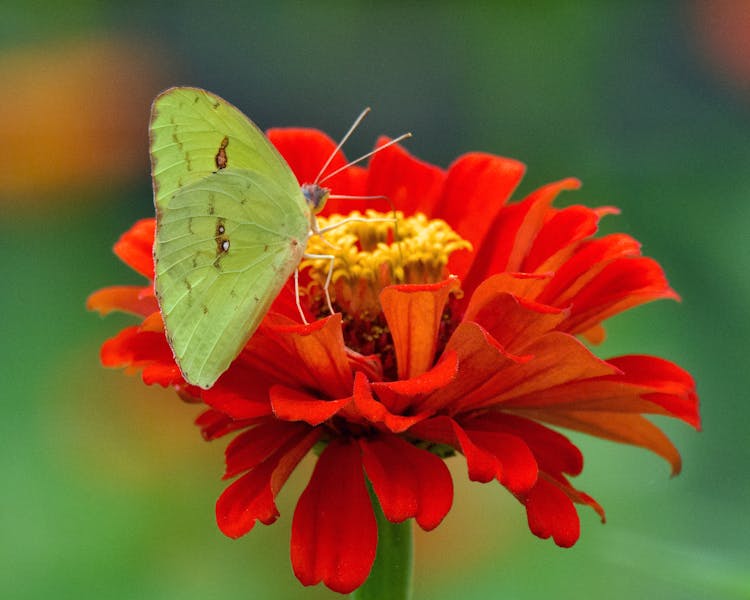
{"type": "Point", "coordinates": [378, 252]}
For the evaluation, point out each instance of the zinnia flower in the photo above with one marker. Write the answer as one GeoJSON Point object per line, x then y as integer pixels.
{"type": "Point", "coordinates": [456, 331]}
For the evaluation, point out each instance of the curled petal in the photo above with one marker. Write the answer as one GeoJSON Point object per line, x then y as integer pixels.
{"type": "Point", "coordinates": [367, 409]}
{"type": "Point", "coordinates": [413, 313]}
{"type": "Point", "coordinates": [293, 405]}
{"type": "Point", "coordinates": [408, 481]}
{"type": "Point", "coordinates": [215, 424]}
{"type": "Point", "coordinates": [400, 395]}
{"type": "Point", "coordinates": [334, 533]}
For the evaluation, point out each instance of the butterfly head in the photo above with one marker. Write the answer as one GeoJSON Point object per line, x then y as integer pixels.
{"type": "Point", "coordinates": [315, 195]}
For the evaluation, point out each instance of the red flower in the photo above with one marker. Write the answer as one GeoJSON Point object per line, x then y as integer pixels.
{"type": "Point", "coordinates": [456, 332]}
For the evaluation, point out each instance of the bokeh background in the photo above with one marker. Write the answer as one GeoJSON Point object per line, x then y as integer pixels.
{"type": "Point", "coordinates": [107, 487]}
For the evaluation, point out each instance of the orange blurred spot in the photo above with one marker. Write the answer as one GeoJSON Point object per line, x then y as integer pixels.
{"type": "Point", "coordinates": [723, 30]}
{"type": "Point", "coordinates": [74, 116]}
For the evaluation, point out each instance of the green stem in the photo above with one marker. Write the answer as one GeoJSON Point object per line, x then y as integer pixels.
{"type": "Point", "coordinates": [391, 575]}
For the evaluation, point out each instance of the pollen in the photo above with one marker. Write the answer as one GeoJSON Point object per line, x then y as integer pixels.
{"type": "Point", "coordinates": [374, 250]}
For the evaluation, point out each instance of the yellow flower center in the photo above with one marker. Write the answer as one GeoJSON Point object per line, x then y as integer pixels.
{"type": "Point", "coordinates": [373, 251]}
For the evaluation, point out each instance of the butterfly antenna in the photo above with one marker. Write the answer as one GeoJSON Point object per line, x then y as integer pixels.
{"type": "Point", "coordinates": [356, 123]}
{"type": "Point", "coordinates": [364, 156]}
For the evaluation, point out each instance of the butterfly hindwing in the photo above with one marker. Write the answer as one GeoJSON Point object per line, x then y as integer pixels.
{"type": "Point", "coordinates": [225, 246]}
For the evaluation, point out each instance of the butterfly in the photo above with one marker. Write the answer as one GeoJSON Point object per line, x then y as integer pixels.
{"type": "Point", "coordinates": [232, 225]}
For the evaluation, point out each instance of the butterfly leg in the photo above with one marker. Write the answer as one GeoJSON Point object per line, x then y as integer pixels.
{"type": "Point", "coordinates": [331, 261]}
{"type": "Point", "coordinates": [296, 295]}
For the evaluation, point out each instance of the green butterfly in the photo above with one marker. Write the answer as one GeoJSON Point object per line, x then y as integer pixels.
{"type": "Point", "coordinates": [232, 225]}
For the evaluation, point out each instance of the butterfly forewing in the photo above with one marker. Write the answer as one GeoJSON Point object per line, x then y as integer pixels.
{"type": "Point", "coordinates": [194, 133]}
{"type": "Point", "coordinates": [225, 246]}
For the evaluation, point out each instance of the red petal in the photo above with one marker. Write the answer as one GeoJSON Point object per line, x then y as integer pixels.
{"type": "Point", "coordinates": [589, 259]}
{"type": "Point", "coordinates": [625, 428]}
{"type": "Point", "coordinates": [414, 313]}
{"type": "Point", "coordinates": [294, 405]}
{"type": "Point", "coordinates": [477, 187]}
{"type": "Point", "coordinates": [482, 465]}
{"type": "Point", "coordinates": [252, 447]}
{"type": "Point", "coordinates": [135, 247]}
{"type": "Point", "coordinates": [671, 387]}
{"type": "Point", "coordinates": [307, 150]}
{"type": "Point", "coordinates": [215, 424]}
{"type": "Point", "coordinates": [553, 452]}
{"type": "Point", "coordinates": [316, 351]}
{"type": "Point", "coordinates": [372, 411]}
{"type": "Point", "coordinates": [251, 497]}
{"type": "Point", "coordinates": [646, 385]}
{"type": "Point", "coordinates": [512, 234]}
{"type": "Point", "coordinates": [512, 321]}
{"type": "Point", "coordinates": [516, 468]}
{"type": "Point", "coordinates": [408, 481]}
{"type": "Point", "coordinates": [126, 298]}
{"type": "Point", "coordinates": [551, 513]}
{"type": "Point", "coordinates": [399, 396]}
{"type": "Point", "coordinates": [410, 184]}
{"type": "Point", "coordinates": [557, 358]}
{"type": "Point", "coordinates": [621, 284]}
{"type": "Point", "coordinates": [557, 238]}
{"type": "Point", "coordinates": [334, 533]}
{"type": "Point", "coordinates": [479, 357]}
{"type": "Point", "coordinates": [132, 347]}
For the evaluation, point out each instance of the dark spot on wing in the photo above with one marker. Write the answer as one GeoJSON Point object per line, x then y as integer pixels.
{"type": "Point", "coordinates": [204, 308]}
{"type": "Point", "coordinates": [221, 156]}
{"type": "Point", "coordinates": [211, 203]}
{"type": "Point", "coordinates": [222, 241]}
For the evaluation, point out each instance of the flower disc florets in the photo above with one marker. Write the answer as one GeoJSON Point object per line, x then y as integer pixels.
{"type": "Point", "coordinates": [372, 251]}
{"type": "Point", "coordinates": [375, 250]}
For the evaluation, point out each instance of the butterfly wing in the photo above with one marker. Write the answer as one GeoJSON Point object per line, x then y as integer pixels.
{"type": "Point", "coordinates": [225, 246]}
{"type": "Point", "coordinates": [194, 133]}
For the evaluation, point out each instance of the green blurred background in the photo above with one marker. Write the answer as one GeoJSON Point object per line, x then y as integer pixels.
{"type": "Point", "coordinates": [108, 489]}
